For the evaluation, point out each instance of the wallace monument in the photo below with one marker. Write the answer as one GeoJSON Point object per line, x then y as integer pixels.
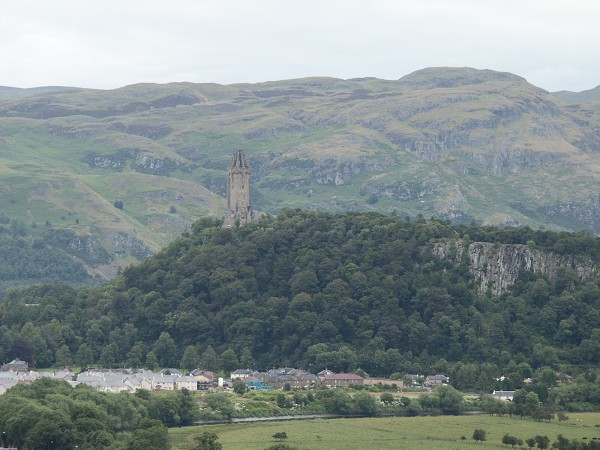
{"type": "Point", "coordinates": [239, 209]}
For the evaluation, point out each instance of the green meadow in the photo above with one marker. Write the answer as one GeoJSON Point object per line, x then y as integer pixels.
{"type": "Point", "coordinates": [442, 432]}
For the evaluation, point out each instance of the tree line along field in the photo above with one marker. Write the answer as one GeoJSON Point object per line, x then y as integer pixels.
{"type": "Point", "coordinates": [414, 433]}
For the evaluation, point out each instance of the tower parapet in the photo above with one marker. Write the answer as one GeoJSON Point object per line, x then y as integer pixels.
{"type": "Point", "coordinates": [239, 208]}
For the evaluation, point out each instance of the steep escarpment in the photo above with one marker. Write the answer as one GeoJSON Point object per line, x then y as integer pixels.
{"type": "Point", "coordinates": [496, 267]}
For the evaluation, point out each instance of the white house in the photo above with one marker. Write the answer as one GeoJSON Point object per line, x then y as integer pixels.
{"type": "Point", "coordinates": [504, 395]}
{"type": "Point", "coordinates": [240, 374]}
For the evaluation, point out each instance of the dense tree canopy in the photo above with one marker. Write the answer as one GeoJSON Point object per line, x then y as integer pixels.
{"type": "Point", "coordinates": [27, 260]}
{"type": "Point", "coordinates": [51, 414]}
{"type": "Point", "coordinates": [319, 290]}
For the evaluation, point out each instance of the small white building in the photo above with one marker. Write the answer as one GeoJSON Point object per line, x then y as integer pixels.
{"type": "Point", "coordinates": [504, 395]}
{"type": "Point", "coordinates": [240, 374]}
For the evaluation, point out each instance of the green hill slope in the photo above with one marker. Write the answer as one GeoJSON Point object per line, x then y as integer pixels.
{"type": "Point", "coordinates": [318, 290]}
{"type": "Point", "coordinates": [454, 143]}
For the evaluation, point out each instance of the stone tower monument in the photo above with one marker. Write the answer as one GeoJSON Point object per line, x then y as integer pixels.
{"type": "Point", "coordinates": [239, 209]}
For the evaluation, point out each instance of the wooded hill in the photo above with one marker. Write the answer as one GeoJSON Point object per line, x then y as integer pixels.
{"type": "Point", "coordinates": [31, 259]}
{"type": "Point", "coordinates": [317, 290]}
{"type": "Point", "coordinates": [127, 170]}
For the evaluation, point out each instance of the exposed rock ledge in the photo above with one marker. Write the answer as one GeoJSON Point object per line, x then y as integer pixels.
{"type": "Point", "coordinates": [497, 266]}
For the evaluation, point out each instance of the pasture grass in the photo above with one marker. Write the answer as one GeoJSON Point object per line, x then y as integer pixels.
{"type": "Point", "coordinates": [415, 433]}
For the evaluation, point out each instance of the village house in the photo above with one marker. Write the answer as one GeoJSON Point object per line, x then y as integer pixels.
{"type": "Point", "coordinates": [11, 378]}
{"type": "Point", "coordinates": [164, 382]}
{"type": "Point", "coordinates": [186, 382]}
{"type": "Point", "coordinates": [206, 373]}
{"type": "Point", "coordinates": [436, 380]}
{"type": "Point", "coordinates": [112, 380]}
{"type": "Point", "coordinates": [240, 374]}
{"type": "Point", "coordinates": [205, 379]}
{"type": "Point", "coordinates": [295, 378]}
{"type": "Point", "coordinates": [255, 384]}
{"type": "Point", "coordinates": [16, 365]}
{"type": "Point", "coordinates": [504, 395]}
{"type": "Point", "coordinates": [340, 379]}
{"type": "Point", "coordinates": [203, 383]}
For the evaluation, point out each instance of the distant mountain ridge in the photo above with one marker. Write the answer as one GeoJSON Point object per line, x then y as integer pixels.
{"type": "Point", "coordinates": [573, 98]}
{"type": "Point", "coordinates": [456, 143]}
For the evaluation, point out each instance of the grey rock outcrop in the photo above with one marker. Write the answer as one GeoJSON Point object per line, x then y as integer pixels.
{"type": "Point", "coordinates": [497, 266]}
{"type": "Point", "coordinates": [585, 214]}
{"type": "Point", "coordinates": [87, 248]}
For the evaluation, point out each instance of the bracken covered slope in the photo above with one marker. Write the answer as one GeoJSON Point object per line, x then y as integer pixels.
{"type": "Point", "coordinates": [455, 143]}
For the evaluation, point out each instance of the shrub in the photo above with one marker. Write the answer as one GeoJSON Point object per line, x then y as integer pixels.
{"type": "Point", "coordinates": [386, 398]}
{"type": "Point", "coordinates": [479, 435]}
{"type": "Point", "coordinates": [280, 435]}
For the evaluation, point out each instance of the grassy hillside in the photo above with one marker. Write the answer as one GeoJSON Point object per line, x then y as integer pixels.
{"type": "Point", "coordinates": [388, 433]}
{"type": "Point", "coordinates": [461, 144]}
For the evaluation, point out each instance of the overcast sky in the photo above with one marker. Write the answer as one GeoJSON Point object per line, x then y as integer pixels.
{"type": "Point", "coordinates": [554, 44]}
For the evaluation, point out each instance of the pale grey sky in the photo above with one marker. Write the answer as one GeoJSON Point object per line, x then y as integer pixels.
{"type": "Point", "coordinates": [554, 44]}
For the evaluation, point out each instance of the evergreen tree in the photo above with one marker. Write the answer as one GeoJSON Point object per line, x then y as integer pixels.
{"type": "Point", "coordinates": [209, 359]}
{"type": "Point", "coordinates": [190, 359]}
{"type": "Point", "coordinates": [165, 350]}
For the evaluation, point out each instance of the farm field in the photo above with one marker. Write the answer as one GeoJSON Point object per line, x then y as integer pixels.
{"type": "Point", "coordinates": [443, 432]}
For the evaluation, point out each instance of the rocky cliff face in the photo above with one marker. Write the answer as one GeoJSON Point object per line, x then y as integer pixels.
{"type": "Point", "coordinates": [497, 266]}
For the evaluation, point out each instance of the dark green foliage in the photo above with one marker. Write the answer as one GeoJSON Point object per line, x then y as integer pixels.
{"type": "Point", "coordinates": [563, 443]}
{"type": "Point", "coordinates": [280, 446]}
{"type": "Point", "coordinates": [282, 401]}
{"type": "Point", "coordinates": [221, 403]}
{"type": "Point", "coordinates": [150, 434]}
{"type": "Point", "coordinates": [179, 408]}
{"type": "Point", "coordinates": [239, 387]}
{"type": "Point", "coordinates": [444, 399]}
{"type": "Point", "coordinates": [208, 441]}
{"type": "Point", "coordinates": [166, 351]}
{"type": "Point", "coordinates": [479, 435]}
{"type": "Point", "coordinates": [229, 360]}
{"type": "Point", "coordinates": [386, 397]}
{"type": "Point", "coordinates": [336, 401]}
{"type": "Point", "coordinates": [25, 261]}
{"type": "Point", "coordinates": [118, 204]}
{"type": "Point", "coordinates": [51, 414]}
{"type": "Point", "coordinates": [373, 198]}
{"type": "Point", "coordinates": [511, 440]}
{"type": "Point", "coordinates": [494, 406]}
{"type": "Point", "coordinates": [366, 404]}
{"type": "Point", "coordinates": [280, 435]}
{"type": "Point", "coordinates": [317, 290]}
{"type": "Point", "coordinates": [542, 441]}
{"type": "Point", "coordinates": [447, 399]}
{"type": "Point", "coordinates": [190, 359]}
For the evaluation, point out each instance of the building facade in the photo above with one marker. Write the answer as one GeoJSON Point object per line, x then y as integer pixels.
{"type": "Point", "coordinates": [239, 209]}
